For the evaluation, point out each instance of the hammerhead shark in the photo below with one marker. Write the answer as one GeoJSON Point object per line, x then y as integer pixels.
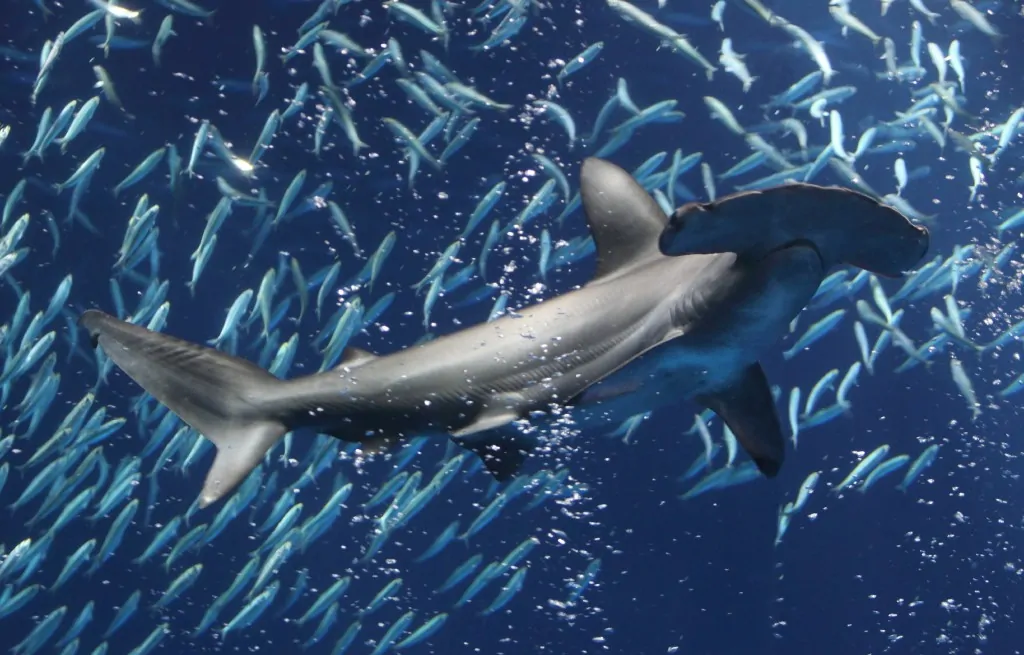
{"type": "Point", "coordinates": [680, 307]}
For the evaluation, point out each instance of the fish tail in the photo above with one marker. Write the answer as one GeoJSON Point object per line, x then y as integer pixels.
{"type": "Point", "coordinates": [225, 398]}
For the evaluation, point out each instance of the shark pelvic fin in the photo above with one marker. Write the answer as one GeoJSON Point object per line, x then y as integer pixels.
{"type": "Point", "coordinates": [222, 397]}
{"type": "Point", "coordinates": [489, 419]}
{"type": "Point", "coordinates": [625, 221]}
{"type": "Point", "coordinates": [748, 409]}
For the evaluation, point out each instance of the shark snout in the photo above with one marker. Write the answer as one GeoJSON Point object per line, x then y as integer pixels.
{"type": "Point", "coordinates": [843, 226]}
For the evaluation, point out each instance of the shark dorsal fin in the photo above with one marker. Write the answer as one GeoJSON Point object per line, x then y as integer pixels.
{"type": "Point", "coordinates": [352, 357]}
{"type": "Point", "coordinates": [625, 220]}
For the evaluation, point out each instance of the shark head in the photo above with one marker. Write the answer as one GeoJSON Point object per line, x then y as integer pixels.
{"type": "Point", "coordinates": [844, 226]}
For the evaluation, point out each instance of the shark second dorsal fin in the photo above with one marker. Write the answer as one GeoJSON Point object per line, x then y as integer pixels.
{"type": "Point", "coordinates": [352, 357]}
{"type": "Point", "coordinates": [625, 221]}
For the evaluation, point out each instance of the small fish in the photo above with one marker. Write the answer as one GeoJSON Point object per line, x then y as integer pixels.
{"type": "Point", "coordinates": [718, 13]}
{"type": "Point", "coordinates": [863, 468]}
{"type": "Point", "coordinates": [963, 383]}
{"type": "Point", "coordinates": [581, 60]}
{"type": "Point", "coordinates": [165, 32]}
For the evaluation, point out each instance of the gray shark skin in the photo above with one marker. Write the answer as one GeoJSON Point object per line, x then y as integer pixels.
{"type": "Point", "coordinates": [649, 330]}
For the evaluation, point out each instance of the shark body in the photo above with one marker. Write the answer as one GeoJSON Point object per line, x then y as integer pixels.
{"type": "Point", "coordinates": [651, 329]}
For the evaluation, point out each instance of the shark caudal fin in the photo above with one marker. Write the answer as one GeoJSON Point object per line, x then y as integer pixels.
{"type": "Point", "coordinates": [222, 397]}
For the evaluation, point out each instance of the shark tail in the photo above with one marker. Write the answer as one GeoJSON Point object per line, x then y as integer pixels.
{"type": "Point", "coordinates": [226, 399]}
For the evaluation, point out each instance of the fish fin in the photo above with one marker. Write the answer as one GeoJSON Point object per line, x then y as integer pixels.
{"type": "Point", "coordinates": [352, 357]}
{"type": "Point", "coordinates": [223, 397]}
{"type": "Point", "coordinates": [502, 452]}
{"type": "Point", "coordinates": [748, 409]}
{"type": "Point", "coordinates": [625, 220]}
{"type": "Point", "coordinates": [489, 419]}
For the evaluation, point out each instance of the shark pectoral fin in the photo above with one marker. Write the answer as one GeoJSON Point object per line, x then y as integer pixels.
{"type": "Point", "coordinates": [222, 397]}
{"type": "Point", "coordinates": [748, 409]}
{"type": "Point", "coordinates": [502, 448]}
{"type": "Point", "coordinates": [625, 220]}
{"type": "Point", "coordinates": [502, 451]}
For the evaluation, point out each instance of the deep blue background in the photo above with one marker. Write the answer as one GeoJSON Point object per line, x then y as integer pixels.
{"type": "Point", "coordinates": [881, 572]}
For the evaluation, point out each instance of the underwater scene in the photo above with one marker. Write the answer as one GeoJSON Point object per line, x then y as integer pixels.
{"type": "Point", "coordinates": [508, 327]}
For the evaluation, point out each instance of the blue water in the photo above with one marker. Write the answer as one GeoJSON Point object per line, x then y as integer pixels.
{"type": "Point", "coordinates": [934, 570]}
